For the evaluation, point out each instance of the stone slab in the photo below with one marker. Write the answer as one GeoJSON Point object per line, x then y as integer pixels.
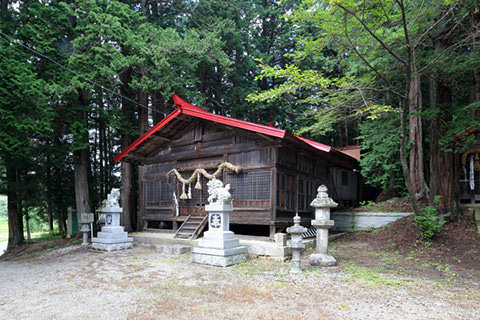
{"type": "Point", "coordinates": [220, 252]}
{"type": "Point", "coordinates": [218, 235]}
{"type": "Point", "coordinates": [112, 235]}
{"type": "Point", "coordinates": [219, 261]}
{"type": "Point", "coordinates": [353, 221]}
{"type": "Point", "coordinates": [213, 243]}
{"type": "Point", "coordinates": [112, 241]}
{"type": "Point", "coordinates": [112, 246]}
{"type": "Point", "coordinates": [174, 250]}
{"type": "Point", "coordinates": [112, 229]}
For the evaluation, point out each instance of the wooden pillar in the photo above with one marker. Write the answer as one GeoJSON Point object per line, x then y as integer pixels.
{"type": "Point", "coordinates": [127, 195]}
{"type": "Point", "coordinates": [141, 225]}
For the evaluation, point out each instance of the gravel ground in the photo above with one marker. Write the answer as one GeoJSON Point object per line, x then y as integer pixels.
{"type": "Point", "coordinates": [75, 283]}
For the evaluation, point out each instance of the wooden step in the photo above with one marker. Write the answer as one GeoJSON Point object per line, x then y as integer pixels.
{"type": "Point", "coordinates": [191, 227]}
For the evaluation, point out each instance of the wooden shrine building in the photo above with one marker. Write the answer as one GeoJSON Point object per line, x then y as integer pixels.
{"type": "Point", "coordinates": [279, 172]}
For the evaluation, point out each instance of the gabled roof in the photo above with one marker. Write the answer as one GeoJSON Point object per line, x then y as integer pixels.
{"type": "Point", "coordinates": [185, 108]}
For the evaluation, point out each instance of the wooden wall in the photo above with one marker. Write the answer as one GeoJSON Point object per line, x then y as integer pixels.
{"type": "Point", "coordinates": [204, 145]}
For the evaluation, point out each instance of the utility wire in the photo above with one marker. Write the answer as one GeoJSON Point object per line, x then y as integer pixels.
{"type": "Point", "coordinates": [77, 74]}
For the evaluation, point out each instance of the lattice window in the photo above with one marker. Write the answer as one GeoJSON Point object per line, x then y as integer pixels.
{"type": "Point", "coordinates": [305, 193]}
{"type": "Point", "coordinates": [286, 191]}
{"type": "Point", "coordinates": [157, 193]}
{"type": "Point", "coordinates": [251, 186]}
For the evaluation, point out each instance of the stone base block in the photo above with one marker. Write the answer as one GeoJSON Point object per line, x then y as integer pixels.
{"type": "Point", "coordinates": [112, 240]}
{"type": "Point", "coordinates": [219, 236]}
{"type": "Point", "coordinates": [219, 257]}
{"type": "Point", "coordinates": [112, 246]}
{"type": "Point", "coordinates": [213, 243]}
{"type": "Point", "coordinates": [112, 235]}
{"type": "Point", "coordinates": [174, 250]}
{"type": "Point", "coordinates": [321, 259]}
{"type": "Point", "coordinates": [112, 229]}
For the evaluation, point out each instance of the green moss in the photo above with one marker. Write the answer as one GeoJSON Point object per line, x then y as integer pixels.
{"type": "Point", "coordinates": [371, 276]}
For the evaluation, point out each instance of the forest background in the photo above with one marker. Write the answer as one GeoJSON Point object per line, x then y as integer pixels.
{"type": "Point", "coordinates": [80, 80]}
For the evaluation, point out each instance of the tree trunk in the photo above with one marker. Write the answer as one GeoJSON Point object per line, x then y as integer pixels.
{"type": "Point", "coordinates": [27, 222]}
{"type": "Point", "coordinates": [442, 178]}
{"type": "Point", "coordinates": [81, 168]}
{"type": "Point", "coordinates": [142, 112]}
{"type": "Point", "coordinates": [82, 199]}
{"type": "Point", "coordinates": [404, 158]}
{"type": "Point", "coordinates": [474, 96]}
{"type": "Point", "coordinates": [127, 168]}
{"type": "Point", "coordinates": [415, 136]}
{"type": "Point", "coordinates": [127, 195]}
{"type": "Point", "coordinates": [434, 146]}
{"type": "Point", "coordinates": [49, 195]}
{"type": "Point", "coordinates": [158, 104]}
{"type": "Point", "coordinates": [15, 221]}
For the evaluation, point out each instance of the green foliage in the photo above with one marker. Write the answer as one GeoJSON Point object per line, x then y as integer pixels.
{"type": "Point", "coordinates": [3, 206]}
{"type": "Point", "coordinates": [430, 222]}
{"type": "Point", "coordinates": [380, 161]}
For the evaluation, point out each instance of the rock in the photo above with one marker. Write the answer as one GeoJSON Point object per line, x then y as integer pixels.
{"type": "Point", "coordinates": [320, 259]}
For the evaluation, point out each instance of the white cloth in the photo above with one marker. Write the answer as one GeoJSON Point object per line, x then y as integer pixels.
{"type": "Point", "coordinates": [472, 172]}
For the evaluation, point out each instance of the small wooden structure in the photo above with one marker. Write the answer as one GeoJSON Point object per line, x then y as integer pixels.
{"type": "Point", "coordinates": [470, 175]}
{"type": "Point", "coordinates": [279, 171]}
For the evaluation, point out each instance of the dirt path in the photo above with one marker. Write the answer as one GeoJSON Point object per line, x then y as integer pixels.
{"type": "Point", "coordinates": [73, 283]}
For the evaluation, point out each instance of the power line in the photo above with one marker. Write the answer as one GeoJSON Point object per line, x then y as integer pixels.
{"type": "Point", "coordinates": [77, 74]}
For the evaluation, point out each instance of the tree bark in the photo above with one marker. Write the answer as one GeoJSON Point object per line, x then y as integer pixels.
{"type": "Point", "coordinates": [127, 195]}
{"type": "Point", "coordinates": [49, 195]}
{"type": "Point", "coordinates": [82, 199]}
{"type": "Point", "coordinates": [127, 168]}
{"type": "Point", "coordinates": [81, 161]}
{"type": "Point", "coordinates": [404, 158]}
{"type": "Point", "coordinates": [15, 221]}
{"type": "Point", "coordinates": [27, 222]}
{"type": "Point", "coordinates": [474, 96]}
{"type": "Point", "coordinates": [415, 136]}
{"type": "Point", "coordinates": [442, 177]}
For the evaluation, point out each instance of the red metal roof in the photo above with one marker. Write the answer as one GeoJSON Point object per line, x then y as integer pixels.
{"type": "Point", "coordinates": [189, 109]}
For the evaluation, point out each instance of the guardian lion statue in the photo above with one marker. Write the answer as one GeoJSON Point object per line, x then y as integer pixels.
{"type": "Point", "coordinates": [112, 198]}
{"type": "Point", "coordinates": [218, 193]}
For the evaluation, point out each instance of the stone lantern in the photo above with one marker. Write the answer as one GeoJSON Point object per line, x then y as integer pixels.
{"type": "Point", "coordinates": [296, 243]}
{"type": "Point", "coordinates": [86, 220]}
{"type": "Point", "coordinates": [322, 204]}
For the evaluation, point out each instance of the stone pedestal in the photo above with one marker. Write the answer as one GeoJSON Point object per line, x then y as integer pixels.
{"type": "Point", "coordinates": [219, 246]}
{"type": "Point", "coordinates": [112, 237]}
{"type": "Point", "coordinates": [322, 204]}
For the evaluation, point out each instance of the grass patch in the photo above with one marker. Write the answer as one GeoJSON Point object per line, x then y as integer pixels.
{"type": "Point", "coordinates": [254, 267]}
{"type": "Point", "coordinates": [3, 228]}
{"type": "Point", "coordinates": [371, 276]}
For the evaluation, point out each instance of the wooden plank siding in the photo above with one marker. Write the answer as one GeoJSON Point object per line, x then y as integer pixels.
{"type": "Point", "coordinates": [206, 146]}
